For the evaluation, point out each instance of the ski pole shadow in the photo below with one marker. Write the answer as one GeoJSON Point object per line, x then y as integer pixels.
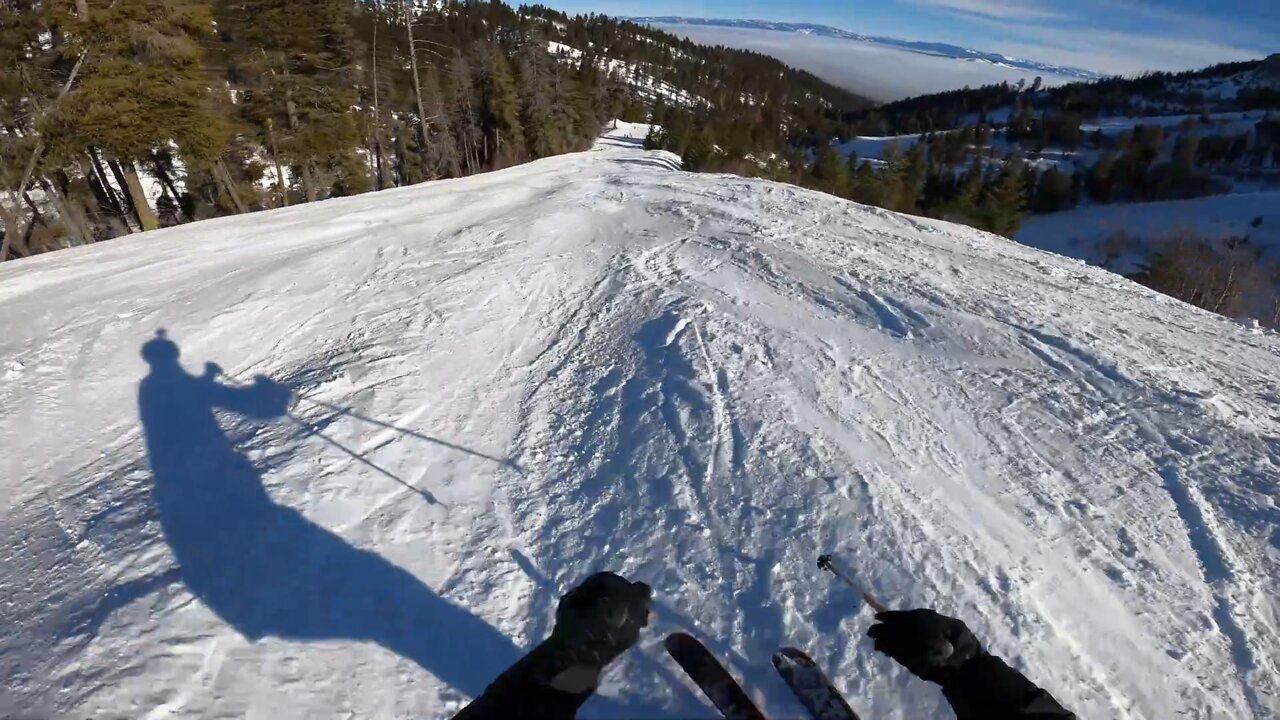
{"type": "Point", "coordinates": [264, 568]}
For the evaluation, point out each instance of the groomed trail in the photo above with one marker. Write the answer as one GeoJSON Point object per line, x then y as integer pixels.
{"type": "Point", "coordinates": [597, 361]}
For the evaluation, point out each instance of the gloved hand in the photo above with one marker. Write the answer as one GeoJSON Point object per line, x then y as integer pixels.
{"type": "Point", "coordinates": [930, 645]}
{"type": "Point", "coordinates": [598, 620]}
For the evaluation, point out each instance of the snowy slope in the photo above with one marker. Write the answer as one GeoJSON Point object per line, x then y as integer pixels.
{"type": "Point", "coordinates": [1079, 232]}
{"type": "Point", "coordinates": [597, 361]}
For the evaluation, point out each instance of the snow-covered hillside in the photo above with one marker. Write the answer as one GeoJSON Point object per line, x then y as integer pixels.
{"type": "Point", "coordinates": [1082, 232]}
{"type": "Point", "coordinates": [506, 382]}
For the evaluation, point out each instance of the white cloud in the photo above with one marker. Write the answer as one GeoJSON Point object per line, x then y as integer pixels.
{"type": "Point", "coordinates": [1115, 51]}
{"type": "Point", "coordinates": [875, 71]}
{"type": "Point", "coordinates": [1080, 33]}
{"type": "Point", "coordinates": [1006, 9]}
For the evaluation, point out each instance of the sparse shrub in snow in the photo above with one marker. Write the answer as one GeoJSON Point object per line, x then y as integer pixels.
{"type": "Point", "coordinates": [1228, 277]}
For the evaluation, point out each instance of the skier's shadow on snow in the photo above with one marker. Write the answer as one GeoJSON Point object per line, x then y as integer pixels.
{"type": "Point", "coordinates": [264, 568]}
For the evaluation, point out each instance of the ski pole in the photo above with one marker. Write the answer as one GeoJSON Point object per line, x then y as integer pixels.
{"type": "Point", "coordinates": [825, 563]}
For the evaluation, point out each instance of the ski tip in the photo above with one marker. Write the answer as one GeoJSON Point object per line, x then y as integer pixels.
{"type": "Point", "coordinates": [791, 655]}
{"type": "Point", "coordinates": [679, 639]}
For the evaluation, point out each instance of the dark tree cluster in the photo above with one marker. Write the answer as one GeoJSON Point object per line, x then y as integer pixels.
{"type": "Point", "coordinates": [233, 106]}
{"type": "Point", "coordinates": [992, 196]}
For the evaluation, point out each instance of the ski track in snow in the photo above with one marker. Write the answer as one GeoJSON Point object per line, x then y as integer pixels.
{"type": "Point", "coordinates": [596, 361]}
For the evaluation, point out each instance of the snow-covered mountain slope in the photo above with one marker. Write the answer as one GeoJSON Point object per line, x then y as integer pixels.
{"type": "Point", "coordinates": [1083, 231]}
{"type": "Point", "coordinates": [592, 361]}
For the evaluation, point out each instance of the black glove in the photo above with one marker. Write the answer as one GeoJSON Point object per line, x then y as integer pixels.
{"type": "Point", "coordinates": [930, 645]}
{"type": "Point", "coordinates": [598, 620]}
{"type": "Point", "coordinates": [595, 623]}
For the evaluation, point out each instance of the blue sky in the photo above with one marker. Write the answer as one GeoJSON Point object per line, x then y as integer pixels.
{"type": "Point", "coordinates": [1114, 36]}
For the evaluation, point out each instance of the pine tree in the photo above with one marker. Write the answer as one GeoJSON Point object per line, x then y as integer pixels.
{"type": "Point", "coordinates": [442, 150]}
{"type": "Point", "coordinates": [142, 85]}
{"type": "Point", "coordinates": [542, 134]}
{"type": "Point", "coordinates": [912, 173]}
{"type": "Point", "coordinates": [1100, 181]}
{"type": "Point", "coordinates": [831, 172]}
{"type": "Point", "coordinates": [964, 207]}
{"type": "Point", "coordinates": [304, 88]}
{"type": "Point", "coordinates": [462, 102]}
{"type": "Point", "coordinates": [655, 139]}
{"type": "Point", "coordinates": [1004, 202]}
{"type": "Point", "coordinates": [499, 111]}
{"type": "Point", "coordinates": [867, 186]}
{"type": "Point", "coordinates": [1055, 191]}
{"type": "Point", "coordinates": [27, 89]}
{"type": "Point", "coordinates": [699, 153]}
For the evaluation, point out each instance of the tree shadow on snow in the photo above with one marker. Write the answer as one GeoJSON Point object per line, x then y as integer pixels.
{"type": "Point", "coordinates": [264, 568]}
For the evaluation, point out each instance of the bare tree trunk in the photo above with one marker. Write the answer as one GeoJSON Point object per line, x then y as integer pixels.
{"type": "Point", "coordinates": [11, 227]}
{"type": "Point", "coordinates": [163, 176]}
{"type": "Point", "coordinates": [38, 151]}
{"type": "Point", "coordinates": [377, 117]}
{"type": "Point", "coordinates": [308, 180]}
{"type": "Point", "coordinates": [275, 159]}
{"type": "Point", "coordinates": [126, 196]}
{"type": "Point", "coordinates": [108, 190]}
{"type": "Point", "coordinates": [417, 92]}
{"type": "Point", "coordinates": [74, 221]}
{"type": "Point", "coordinates": [229, 184]}
{"type": "Point", "coordinates": [1226, 288]}
{"type": "Point", "coordinates": [22, 246]}
{"type": "Point", "coordinates": [141, 208]}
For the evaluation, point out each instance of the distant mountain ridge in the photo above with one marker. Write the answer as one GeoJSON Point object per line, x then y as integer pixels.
{"type": "Point", "coordinates": [924, 48]}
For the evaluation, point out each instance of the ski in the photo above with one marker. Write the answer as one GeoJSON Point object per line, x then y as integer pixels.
{"type": "Point", "coordinates": [811, 686]}
{"type": "Point", "coordinates": [711, 677]}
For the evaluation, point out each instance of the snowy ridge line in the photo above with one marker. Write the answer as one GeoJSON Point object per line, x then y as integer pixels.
{"type": "Point", "coordinates": [707, 381]}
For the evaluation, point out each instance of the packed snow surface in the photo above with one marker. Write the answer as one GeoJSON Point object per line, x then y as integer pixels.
{"type": "Point", "coordinates": [506, 382]}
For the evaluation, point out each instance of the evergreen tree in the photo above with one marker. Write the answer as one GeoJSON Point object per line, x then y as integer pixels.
{"type": "Point", "coordinates": [654, 139]}
{"type": "Point", "coordinates": [303, 55]}
{"type": "Point", "coordinates": [542, 134]}
{"type": "Point", "coordinates": [499, 111]}
{"type": "Point", "coordinates": [1004, 202]}
{"type": "Point", "coordinates": [699, 152]}
{"type": "Point", "coordinates": [442, 150]}
{"type": "Point", "coordinates": [965, 206]}
{"type": "Point", "coordinates": [141, 86]}
{"type": "Point", "coordinates": [867, 187]}
{"type": "Point", "coordinates": [1055, 191]}
{"type": "Point", "coordinates": [831, 172]}
{"type": "Point", "coordinates": [463, 104]}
